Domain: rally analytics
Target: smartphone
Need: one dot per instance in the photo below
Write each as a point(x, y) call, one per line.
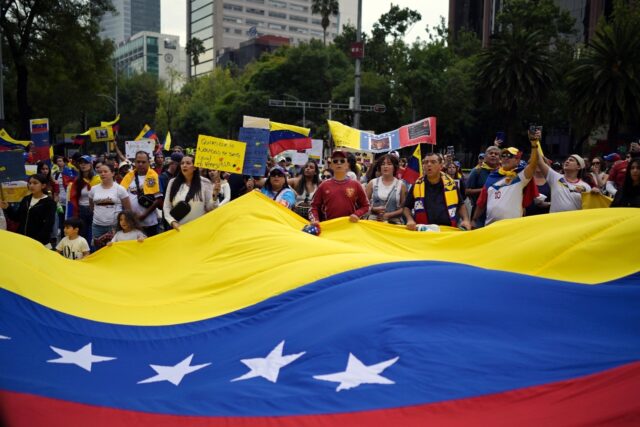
point(500, 135)
point(535, 128)
point(450, 150)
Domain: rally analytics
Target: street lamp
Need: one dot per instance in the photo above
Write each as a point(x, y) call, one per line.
point(298, 104)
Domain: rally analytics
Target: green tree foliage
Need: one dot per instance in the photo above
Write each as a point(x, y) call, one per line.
point(138, 100)
point(605, 84)
point(326, 9)
point(55, 57)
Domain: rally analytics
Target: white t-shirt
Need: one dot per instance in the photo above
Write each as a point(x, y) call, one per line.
point(84, 196)
point(121, 236)
point(62, 192)
point(152, 218)
point(564, 196)
point(73, 249)
point(107, 203)
point(504, 198)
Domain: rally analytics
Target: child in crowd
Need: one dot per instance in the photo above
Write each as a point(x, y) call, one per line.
point(73, 246)
point(128, 228)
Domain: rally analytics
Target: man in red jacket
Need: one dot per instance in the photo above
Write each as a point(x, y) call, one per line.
point(339, 196)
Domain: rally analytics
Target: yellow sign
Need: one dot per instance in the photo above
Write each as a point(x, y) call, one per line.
point(14, 191)
point(101, 134)
point(220, 154)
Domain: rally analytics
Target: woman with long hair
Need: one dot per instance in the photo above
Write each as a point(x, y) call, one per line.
point(629, 195)
point(35, 213)
point(596, 176)
point(106, 200)
point(189, 195)
point(386, 193)
point(78, 195)
point(305, 186)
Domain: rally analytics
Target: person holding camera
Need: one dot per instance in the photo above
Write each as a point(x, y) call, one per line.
point(143, 185)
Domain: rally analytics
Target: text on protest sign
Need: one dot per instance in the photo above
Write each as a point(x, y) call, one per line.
point(255, 157)
point(220, 154)
point(132, 147)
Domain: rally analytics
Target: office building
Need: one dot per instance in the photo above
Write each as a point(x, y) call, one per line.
point(130, 17)
point(154, 53)
point(222, 24)
point(479, 16)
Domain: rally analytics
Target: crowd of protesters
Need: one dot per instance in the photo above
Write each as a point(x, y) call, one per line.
point(82, 204)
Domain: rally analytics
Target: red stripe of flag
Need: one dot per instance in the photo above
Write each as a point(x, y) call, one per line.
point(607, 398)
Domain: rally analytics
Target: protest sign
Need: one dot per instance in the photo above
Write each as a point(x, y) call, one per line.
point(40, 136)
point(220, 154)
point(12, 165)
point(14, 191)
point(132, 147)
point(101, 134)
point(315, 152)
point(299, 159)
point(255, 157)
point(31, 169)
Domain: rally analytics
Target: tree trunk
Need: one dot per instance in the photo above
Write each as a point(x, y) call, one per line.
point(24, 110)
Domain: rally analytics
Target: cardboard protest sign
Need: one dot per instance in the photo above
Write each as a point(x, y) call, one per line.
point(220, 154)
point(132, 147)
point(255, 157)
point(300, 159)
point(12, 165)
point(315, 152)
point(14, 191)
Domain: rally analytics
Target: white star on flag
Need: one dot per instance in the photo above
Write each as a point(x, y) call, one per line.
point(173, 374)
point(83, 357)
point(268, 367)
point(3, 337)
point(358, 373)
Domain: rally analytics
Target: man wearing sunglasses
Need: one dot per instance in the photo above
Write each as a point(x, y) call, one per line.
point(338, 196)
point(506, 191)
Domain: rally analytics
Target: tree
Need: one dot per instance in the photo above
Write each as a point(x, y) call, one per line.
point(517, 74)
point(138, 102)
point(31, 29)
point(195, 48)
point(604, 81)
point(326, 9)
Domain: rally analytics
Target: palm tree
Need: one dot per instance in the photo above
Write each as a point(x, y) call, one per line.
point(517, 74)
point(194, 49)
point(325, 8)
point(604, 83)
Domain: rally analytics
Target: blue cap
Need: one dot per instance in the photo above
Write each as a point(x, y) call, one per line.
point(86, 158)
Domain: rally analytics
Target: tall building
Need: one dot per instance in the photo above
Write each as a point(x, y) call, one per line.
point(222, 24)
point(479, 16)
point(131, 17)
point(154, 53)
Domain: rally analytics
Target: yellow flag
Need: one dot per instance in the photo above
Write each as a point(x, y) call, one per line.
point(143, 132)
point(344, 136)
point(167, 142)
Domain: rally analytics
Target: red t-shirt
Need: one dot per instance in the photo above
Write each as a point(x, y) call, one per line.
point(334, 199)
point(617, 173)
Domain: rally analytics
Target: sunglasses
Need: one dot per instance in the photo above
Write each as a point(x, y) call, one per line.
point(595, 163)
point(276, 175)
point(326, 176)
point(506, 156)
point(336, 161)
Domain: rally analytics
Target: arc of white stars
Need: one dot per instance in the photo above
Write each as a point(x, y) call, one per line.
point(4, 337)
point(83, 357)
point(268, 367)
point(173, 374)
point(358, 373)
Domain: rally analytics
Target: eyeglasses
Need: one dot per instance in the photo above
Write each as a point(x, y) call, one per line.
point(595, 163)
point(336, 161)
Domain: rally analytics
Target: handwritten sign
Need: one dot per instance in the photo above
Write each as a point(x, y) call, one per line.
point(12, 165)
point(255, 157)
point(220, 154)
point(132, 147)
point(300, 159)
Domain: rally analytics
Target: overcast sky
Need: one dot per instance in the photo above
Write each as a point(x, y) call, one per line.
point(174, 14)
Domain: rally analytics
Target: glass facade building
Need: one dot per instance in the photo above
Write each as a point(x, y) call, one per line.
point(131, 17)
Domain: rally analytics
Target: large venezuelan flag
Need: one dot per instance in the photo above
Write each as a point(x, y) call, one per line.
point(527, 322)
